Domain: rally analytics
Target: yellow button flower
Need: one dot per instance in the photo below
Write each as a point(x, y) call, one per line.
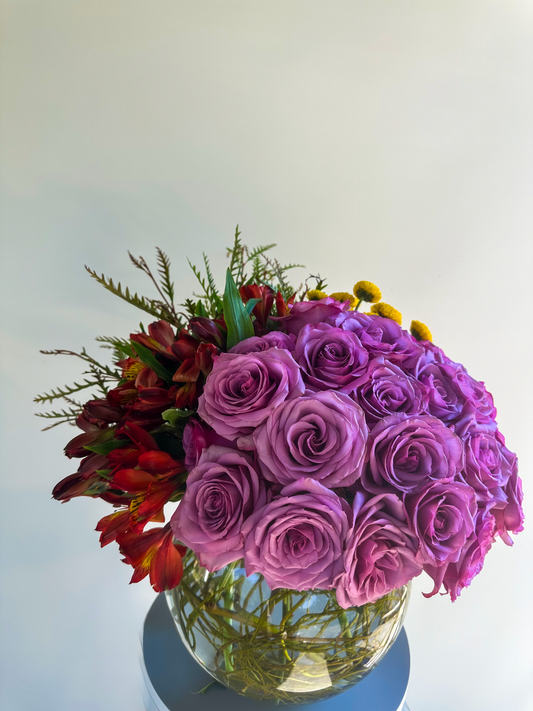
point(315, 295)
point(387, 311)
point(344, 296)
point(366, 291)
point(420, 331)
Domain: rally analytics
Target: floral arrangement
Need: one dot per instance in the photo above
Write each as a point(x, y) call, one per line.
point(327, 447)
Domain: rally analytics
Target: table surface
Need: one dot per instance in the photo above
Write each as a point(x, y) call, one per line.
point(172, 676)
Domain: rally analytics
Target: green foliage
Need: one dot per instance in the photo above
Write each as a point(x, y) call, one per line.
point(175, 416)
point(237, 319)
point(99, 376)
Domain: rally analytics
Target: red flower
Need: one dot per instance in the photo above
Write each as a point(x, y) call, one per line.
point(154, 553)
point(262, 310)
point(159, 337)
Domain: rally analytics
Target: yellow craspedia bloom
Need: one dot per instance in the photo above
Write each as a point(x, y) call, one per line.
point(420, 331)
point(344, 296)
point(387, 311)
point(315, 295)
point(366, 291)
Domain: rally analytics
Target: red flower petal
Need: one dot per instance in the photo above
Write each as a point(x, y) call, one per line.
point(166, 568)
point(157, 462)
point(133, 480)
point(139, 436)
point(112, 526)
point(188, 372)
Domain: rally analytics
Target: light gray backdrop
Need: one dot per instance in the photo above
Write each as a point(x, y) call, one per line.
point(387, 140)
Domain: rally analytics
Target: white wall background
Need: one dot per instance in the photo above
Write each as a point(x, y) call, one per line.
point(378, 139)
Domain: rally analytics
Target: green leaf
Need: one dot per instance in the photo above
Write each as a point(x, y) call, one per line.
point(239, 323)
point(200, 310)
point(174, 416)
point(149, 359)
point(105, 447)
point(249, 305)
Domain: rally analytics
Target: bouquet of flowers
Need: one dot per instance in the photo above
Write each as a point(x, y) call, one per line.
point(328, 448)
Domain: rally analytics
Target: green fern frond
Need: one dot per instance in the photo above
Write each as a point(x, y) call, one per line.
point(163, 268)
point(118, 345)
point(62, 417)
point(151, 306)
point(57, 393)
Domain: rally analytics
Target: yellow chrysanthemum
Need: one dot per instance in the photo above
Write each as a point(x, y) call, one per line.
point(315, 295)
point(344, 296)
point(387, 311)
point(366, 291)
point(420, 331)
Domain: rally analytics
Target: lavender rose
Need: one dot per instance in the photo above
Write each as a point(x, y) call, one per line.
point(509, 514)
point(451, 389)
point(381, 336)
point(386, 389)
point(322, 436)
point(256, 344)
point(296, 540)
point(303, 313)
point(222, 492)
point(408, 453)
point(488, 462)
point(442, 515)
point(242, 390)
point(458, 575)
point(330, 358)
point(380, 552)
point(198, 436)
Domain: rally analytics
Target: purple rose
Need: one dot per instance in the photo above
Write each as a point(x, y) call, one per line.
point(242, 390)
point(222, 492)
point(509, 515)
point(198, 436)
point(442, 515)
point(256, 344)
point(381, 336)
point(458, 575)
point(488, 462)
point(380, 552)
point(303, 313)
point(321, 436)
point(330, 358)
point(451, 389)
point(408, 453)
point(385, 389)
point(296, 540)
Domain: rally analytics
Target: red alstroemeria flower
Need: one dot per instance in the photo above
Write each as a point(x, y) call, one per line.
point(153, 553)
point(159, 337)
point(262, 310)
point(282, 306)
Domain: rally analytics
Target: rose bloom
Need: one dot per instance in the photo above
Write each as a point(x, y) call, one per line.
point(509, 514)
point(198, 436)
point(381, 336)
point(222, 492)
point(408, 453)
point(256, 344)
point(451, 389)
point(442, 515)
point(380, 552)
point(488, 462)
point(459, 574)
point(303, 313)
point(385, 389)
point(242, 390)
point(330, 358)
point(321, 436)
point(296, 540)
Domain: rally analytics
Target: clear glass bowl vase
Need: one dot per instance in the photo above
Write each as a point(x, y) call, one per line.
point(295, 647)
